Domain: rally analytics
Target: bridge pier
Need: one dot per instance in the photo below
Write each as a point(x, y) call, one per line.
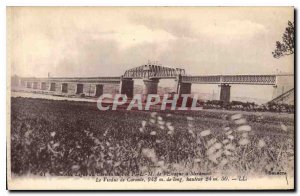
point(79, 89)
point(23, 83)
point(64, 87)
point(225, 93)
point(150, 87)
point(43, 85)
point(126, 87)
point(98, 90)
point(28, 84)
point(52, 87)
point(35, 85)
point(184, 88)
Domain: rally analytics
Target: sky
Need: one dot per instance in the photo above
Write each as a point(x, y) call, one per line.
point(105, 41)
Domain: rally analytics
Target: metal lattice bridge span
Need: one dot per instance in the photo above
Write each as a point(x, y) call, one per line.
point(151, 75)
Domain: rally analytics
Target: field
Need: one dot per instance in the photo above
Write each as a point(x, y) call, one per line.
point(64, 137)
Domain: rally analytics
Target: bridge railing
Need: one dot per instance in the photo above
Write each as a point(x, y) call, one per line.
point(153, 71)
point(231, 79)
point(75, 79)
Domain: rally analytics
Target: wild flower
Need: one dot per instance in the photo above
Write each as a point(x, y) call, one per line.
point(244, 141)
point(144, 123)
point(153, 114)
point(170, 127)
point(52, 134)
point(240, 121)
point(236, 116)
point(152, 121)
point(244, 128)
point(245, 135)
point(217, 145)
point(153, 133)
point(141, 129)
point(211, 141)
point(205, 133)
point(149, 153)
point(189, 118)
point(283, 127)
point(162, 127)
point(75, 167)
point(161, 122)
point(226, 129)
point(170, 132)
point(261, 143)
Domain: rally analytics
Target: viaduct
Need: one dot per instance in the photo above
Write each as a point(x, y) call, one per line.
point(151, 75)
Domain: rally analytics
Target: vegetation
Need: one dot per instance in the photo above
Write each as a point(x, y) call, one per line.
point(287, 46)
point(64, 137)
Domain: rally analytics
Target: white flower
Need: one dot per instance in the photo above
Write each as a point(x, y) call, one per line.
point(141, 129)
point(261, 143)
point(243, 142)
point(171, 128)
point(212, 141)
point(75, 167)
point(230, 147)
point(144, 123)
point(211, 150)
point(152, 121)
point(153, 133)
point(224, 161)
point(160, 163)
point(197, 160)
point(117, 164)
point(226, 128)
point(240, 121)
point(225, 141)
point(161, 122)
point(153, 114)
point(189, 118)
point(149, 153)
point(229, 132)
point(244, 128)
point(97, 141)
point(236, 116)
point(245, 135)
point(226, 152)
point(205, 133)
point(217, 145)
point(52, 133)
point(283, 127)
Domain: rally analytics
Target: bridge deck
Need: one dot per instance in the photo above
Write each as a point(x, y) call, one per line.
point(98, 80)
point(231, 79)
point(204, 79)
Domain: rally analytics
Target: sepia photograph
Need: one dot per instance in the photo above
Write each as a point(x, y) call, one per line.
point(150, 98)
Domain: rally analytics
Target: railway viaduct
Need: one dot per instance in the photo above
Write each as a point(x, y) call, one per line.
point(151, 75)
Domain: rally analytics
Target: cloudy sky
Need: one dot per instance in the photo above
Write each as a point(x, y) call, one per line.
point(93, 41)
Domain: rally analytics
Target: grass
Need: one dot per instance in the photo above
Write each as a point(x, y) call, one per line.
point(63, 137)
